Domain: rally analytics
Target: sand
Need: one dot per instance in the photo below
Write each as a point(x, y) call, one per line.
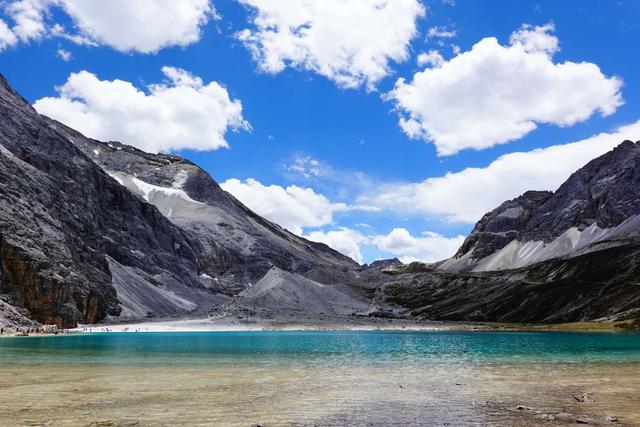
point(284, 323)
point(110, 395)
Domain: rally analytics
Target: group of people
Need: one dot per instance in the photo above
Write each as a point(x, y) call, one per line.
point(39, 330)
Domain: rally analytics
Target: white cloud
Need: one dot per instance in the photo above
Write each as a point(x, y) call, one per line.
point(428, 248)
point(536, 39)
point(494, 94)
point(293, 207)
point(306, 166)
point(7, 38)
point(65, 55)
point(28, 16)
point(467, 195)
point(350, 42)
point(439, 32)
point(431, 58)
point(183, 113)
point(343, 240)
point(144, 26)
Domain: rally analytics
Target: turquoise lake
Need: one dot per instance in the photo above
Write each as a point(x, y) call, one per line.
point(322, 347)
point(320, 379)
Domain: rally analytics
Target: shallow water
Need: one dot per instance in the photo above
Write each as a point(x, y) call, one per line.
point(318, 378)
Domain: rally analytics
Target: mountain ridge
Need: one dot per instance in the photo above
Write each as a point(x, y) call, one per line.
point(584, 211)
point(72, 235)
point(96, 231)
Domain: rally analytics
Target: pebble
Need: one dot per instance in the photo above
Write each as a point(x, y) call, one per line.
point(611, 419)
point(564, 416)
point(584, 420)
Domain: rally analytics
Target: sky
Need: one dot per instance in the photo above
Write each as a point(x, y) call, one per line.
point(384, 128)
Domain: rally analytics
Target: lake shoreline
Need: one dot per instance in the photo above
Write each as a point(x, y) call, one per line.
point(240, 324)
point(333, 379)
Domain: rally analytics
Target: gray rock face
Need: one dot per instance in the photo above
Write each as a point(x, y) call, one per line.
point(598, 285)
point(234, 246)
point(383, 264)
point(502, 225)
point(61, 215)
point(601, 195)
point(289, 293)
point(90, 230)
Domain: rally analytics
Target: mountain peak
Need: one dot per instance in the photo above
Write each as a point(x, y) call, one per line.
point(602, 195)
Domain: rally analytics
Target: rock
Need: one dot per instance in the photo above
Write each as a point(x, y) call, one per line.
point(602, 194)
point(564, 416)
point(93, 229)
point(384, 264)
point(611, 419)
point(547, 417)
point(584, 420)
point(582, 398)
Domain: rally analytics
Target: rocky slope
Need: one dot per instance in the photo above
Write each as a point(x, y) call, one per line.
point(65, 224)
point(602, 284)
point(90, 230)
point(94, 230)
point(597, 207)
point(234, 246)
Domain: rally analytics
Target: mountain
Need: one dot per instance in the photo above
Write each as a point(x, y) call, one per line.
point(598, 285)
point(563, 256)
point(96, 231)
point(92, 230)
point(597, 207)
point(235, 247)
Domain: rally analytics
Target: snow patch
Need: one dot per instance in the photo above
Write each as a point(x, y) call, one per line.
point(572, 242)
point(149, 190)
point(180, 179)
point(116, 177)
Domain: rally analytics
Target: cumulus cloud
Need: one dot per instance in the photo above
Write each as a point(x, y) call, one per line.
point(28, 16)
point(493, 94)
point(535, 39)
point(350, 42)
point(7, 38)
point(181, 113)
point(343, 240)
point(431, 58)
point(144, 26)
point(293, 207)
point(429, 247)
point(467, 195)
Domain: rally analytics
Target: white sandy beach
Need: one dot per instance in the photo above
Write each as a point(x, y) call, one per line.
point(234, 324)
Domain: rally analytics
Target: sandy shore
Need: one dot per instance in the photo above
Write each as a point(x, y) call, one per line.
point(230, 324)
point(284, 323)
point(522, 395)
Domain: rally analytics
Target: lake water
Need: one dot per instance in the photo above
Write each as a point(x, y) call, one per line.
point(319, 378)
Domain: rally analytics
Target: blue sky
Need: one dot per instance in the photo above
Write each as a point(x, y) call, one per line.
point(331, 152)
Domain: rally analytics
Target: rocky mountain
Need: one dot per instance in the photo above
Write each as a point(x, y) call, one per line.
point(596, 208)
point(91, 230)
point(235, 247)
point(603, 285)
